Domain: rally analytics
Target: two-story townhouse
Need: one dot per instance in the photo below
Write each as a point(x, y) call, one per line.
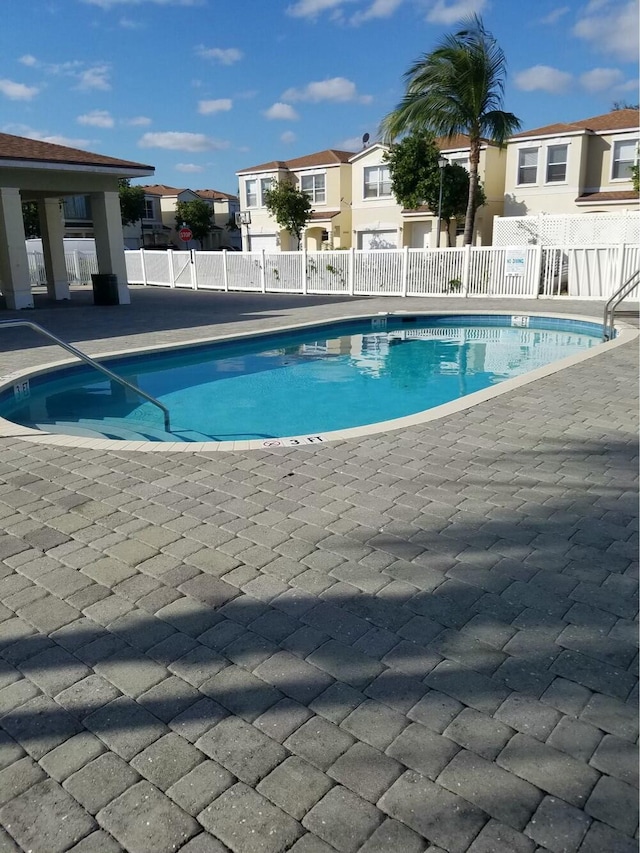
point(225, 207)
point(325, 176)
point(379, 222)
point(577, 167)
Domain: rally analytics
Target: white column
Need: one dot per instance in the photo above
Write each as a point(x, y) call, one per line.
point(14, 264)
point(107, 225)
point(55, 266)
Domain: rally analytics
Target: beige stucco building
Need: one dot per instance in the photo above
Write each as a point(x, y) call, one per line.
point(31, 170)
point(158, 226)
point(578, 167)
point(378, 221)
point(325, 176)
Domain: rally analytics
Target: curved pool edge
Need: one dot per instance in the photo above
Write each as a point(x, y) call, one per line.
point(8, 429)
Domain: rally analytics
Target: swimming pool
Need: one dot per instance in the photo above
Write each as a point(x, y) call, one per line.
point(308, 382)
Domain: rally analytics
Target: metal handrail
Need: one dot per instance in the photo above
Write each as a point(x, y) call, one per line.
point(612, 303)
point(90, 361)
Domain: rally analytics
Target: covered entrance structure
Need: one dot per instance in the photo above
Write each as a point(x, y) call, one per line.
point(31, 170)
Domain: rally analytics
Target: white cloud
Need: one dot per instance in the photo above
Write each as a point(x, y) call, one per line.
point(600, 79)
point(189, 168)
point(288, 137)
point(313, 8)
point(378, 9)
point(280, 111)
point(206, 108)
point(337, 89)
point(130, 24)
point(54, 139)
point(110, 4)
point(611, 27)
point(97, 118)
point(137, 121)
point(17, 91)
point(451, 11)
point(554, 16)
point(543, 78)
point(95, 78)
point(225, 56)
point(352, 143)
point(28, 60)
point(176, 141)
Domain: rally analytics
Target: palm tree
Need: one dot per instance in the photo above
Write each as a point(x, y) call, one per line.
point(458, 88)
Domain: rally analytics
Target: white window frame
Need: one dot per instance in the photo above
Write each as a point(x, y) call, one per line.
point(521, 151)
point(616, 161)
point(265, 184)
point(459, 160)
point(564, 163)
point(149, 208)
point(249, 195)
point(317, 195)
point(378, 184)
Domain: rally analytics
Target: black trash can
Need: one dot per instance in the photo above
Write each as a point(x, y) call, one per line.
point(105, 289)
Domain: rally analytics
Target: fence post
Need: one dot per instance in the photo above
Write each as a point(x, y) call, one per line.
point(304, 270)
point(143, 267)
point(76, 268)
point(263, 271)
point(405, 270)
point(352, 256)
point(621, 259)
point(172, 278)
point(466, 270)
point(194, 274)
point(537, 270)
point(225, 270)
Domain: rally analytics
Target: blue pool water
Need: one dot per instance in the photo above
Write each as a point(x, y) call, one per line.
point(298, 383)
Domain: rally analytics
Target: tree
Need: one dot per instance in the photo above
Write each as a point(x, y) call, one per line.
point(289, 206)
point(415, 178)
point(31, 219)
point(197, 215)
point(623, 105)
point(458, 88)
point(131, 202)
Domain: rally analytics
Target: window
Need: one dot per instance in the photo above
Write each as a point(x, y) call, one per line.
point(265, 184)
point(557, 163)
point(528, 166)
point(314, 187)
point(76, 207)
point(377, 181)
point(625, 155)
point(460, 161)
point(251, 189)
point(149, 209)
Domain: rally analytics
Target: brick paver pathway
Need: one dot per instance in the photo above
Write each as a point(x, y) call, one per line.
point(418, 640)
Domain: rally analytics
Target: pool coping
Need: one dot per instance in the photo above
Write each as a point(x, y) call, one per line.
point(625, 334)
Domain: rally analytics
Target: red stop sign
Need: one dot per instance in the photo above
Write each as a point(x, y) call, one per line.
point(185, 234)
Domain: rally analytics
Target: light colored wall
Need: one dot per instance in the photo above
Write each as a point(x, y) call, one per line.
point(589, 166)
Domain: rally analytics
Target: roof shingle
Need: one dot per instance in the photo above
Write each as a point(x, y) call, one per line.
point(329, 157)
point(22, 148)
point(627, 119)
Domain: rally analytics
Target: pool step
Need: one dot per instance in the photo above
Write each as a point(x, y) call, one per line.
point(119, 430)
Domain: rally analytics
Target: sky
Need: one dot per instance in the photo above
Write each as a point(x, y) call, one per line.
point(201, 89)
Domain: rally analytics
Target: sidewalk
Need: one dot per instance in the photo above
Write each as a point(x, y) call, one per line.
point(421, 640)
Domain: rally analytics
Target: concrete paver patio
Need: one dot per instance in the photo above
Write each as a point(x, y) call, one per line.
point(419, 640)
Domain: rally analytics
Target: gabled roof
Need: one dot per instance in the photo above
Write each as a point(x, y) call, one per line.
point(162, 189)
point(217, 195)
point(626, 119)
point(20, 148)
point(329, 157)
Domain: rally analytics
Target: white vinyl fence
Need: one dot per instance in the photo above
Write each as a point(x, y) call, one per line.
point(80, 266)
point(568, 229)
point(581, 272)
